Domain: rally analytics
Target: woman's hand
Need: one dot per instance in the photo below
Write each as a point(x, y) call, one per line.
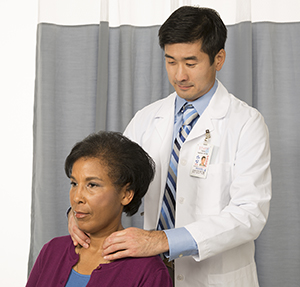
point(134, 242)
point(77, 235)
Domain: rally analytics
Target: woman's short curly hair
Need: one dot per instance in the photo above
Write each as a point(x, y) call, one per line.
point(127, 163)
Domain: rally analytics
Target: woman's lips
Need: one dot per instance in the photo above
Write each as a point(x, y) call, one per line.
point(79, 214)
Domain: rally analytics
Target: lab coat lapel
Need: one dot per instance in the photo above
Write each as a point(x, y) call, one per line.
point(164, 121)
point(216, 109)
point(164, 127)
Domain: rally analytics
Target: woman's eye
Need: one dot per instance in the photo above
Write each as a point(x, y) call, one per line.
point(73, 184)
point(91, 185)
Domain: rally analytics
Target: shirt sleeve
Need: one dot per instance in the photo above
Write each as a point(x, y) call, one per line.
point(181, 243)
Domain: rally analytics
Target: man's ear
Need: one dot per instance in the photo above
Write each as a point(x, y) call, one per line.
point(127, 195)
point(220, 59)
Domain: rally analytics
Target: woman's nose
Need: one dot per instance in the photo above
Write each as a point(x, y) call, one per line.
point(78, 196)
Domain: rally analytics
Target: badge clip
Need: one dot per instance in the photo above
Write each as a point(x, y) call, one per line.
point(207, 137)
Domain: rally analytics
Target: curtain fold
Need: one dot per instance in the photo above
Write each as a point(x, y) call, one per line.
point(276, 69)
point(102, 76)
point(93, 73)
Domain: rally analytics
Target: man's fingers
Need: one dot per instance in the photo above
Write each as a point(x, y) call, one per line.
point(75, 242)
point(113, 243)
point(77, 235)
point(116, 237)
point(114, 248)
point(134, 242)
point(118, 255)
point(80, 237)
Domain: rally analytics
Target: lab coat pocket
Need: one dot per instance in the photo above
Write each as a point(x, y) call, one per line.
point(243, 277)
point(213, 191)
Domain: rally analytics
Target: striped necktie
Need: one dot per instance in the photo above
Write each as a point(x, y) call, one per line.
point(167, 215)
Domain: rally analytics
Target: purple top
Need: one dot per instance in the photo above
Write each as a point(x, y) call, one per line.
point(57, 257)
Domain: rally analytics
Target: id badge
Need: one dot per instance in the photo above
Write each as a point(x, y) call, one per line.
point(202, 158)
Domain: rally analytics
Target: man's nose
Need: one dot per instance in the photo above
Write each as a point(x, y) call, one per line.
point(181, 74)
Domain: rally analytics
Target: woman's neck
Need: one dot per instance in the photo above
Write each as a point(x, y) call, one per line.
point(90, 258)
point(97, 239)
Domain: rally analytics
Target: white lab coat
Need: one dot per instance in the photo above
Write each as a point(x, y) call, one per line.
point(225, 212)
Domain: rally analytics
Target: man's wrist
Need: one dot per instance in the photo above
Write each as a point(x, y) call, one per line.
point(161, 241)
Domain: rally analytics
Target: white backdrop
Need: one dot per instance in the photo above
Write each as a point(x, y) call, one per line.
point(18, 20)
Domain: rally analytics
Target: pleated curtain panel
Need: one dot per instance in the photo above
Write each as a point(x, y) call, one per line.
point(98, 62)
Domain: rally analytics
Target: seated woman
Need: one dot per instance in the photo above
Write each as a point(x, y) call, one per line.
point(109, 174)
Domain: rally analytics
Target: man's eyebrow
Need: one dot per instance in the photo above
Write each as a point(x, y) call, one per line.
point(168, 56)
point(191, 58)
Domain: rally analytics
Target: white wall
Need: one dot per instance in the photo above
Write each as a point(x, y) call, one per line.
point(18, 22)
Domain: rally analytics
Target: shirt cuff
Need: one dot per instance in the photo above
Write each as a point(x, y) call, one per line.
point(181, 243)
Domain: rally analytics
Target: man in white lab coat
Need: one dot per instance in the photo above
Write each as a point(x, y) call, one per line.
point(221, 207)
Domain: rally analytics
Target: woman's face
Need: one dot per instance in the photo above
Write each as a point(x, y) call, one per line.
point(96, 203)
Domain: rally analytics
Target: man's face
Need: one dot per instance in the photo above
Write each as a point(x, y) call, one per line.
point(189, 69)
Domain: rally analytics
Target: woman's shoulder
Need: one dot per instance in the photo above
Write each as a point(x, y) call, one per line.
point(145, 271)
point(60, 242)
point(59, 248)
point(146, 263)
point(61, 239)
point(152, 259)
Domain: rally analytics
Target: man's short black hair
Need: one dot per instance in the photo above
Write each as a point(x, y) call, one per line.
point(191, 24)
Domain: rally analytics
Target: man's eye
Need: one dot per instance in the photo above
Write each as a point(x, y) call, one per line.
point(190, 65)
point(73, 184)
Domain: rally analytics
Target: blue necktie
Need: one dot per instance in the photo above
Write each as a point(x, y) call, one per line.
point(167, 215)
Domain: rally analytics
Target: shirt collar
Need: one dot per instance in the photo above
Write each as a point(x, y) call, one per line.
point(200, 104)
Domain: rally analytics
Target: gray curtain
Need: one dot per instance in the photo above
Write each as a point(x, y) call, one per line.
point(95, 77)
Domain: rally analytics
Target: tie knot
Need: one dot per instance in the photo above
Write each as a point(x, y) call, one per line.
point(189, 114)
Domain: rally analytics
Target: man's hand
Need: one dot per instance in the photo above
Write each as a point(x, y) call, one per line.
point(134, 242)
point(77, 235)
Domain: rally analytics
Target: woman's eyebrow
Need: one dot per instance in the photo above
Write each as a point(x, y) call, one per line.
point(88, 178)
point(93, 178)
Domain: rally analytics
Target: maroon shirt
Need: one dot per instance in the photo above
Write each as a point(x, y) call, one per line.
point(57, 257)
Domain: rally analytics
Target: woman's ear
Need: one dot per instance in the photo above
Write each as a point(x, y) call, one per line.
point(127, 195)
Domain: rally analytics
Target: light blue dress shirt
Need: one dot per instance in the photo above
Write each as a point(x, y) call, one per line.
point(181, 242)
